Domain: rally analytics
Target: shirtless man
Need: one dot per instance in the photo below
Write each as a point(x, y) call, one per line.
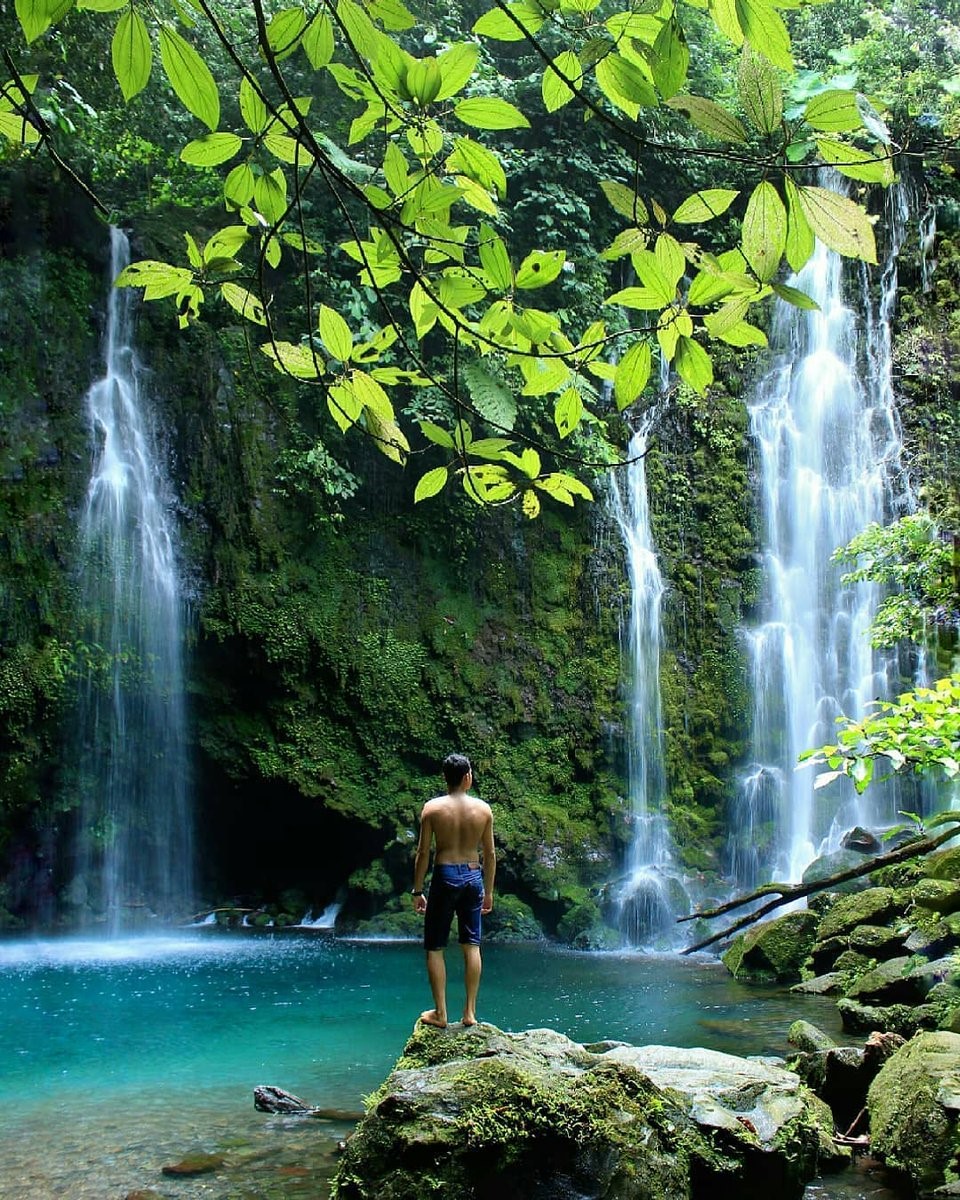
point(461, 825)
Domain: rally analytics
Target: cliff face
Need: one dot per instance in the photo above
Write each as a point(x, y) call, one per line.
point(343, 641)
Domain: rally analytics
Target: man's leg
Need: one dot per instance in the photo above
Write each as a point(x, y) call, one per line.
point(471, 980)
point(437, 974)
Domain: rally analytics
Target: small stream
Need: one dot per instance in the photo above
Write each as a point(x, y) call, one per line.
point(120, 1057)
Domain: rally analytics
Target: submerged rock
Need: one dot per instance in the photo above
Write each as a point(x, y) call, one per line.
point(914, 1104)
point(487, 1115)
point(195, 1164)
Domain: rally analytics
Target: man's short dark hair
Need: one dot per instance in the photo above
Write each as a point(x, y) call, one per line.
point(455, 768)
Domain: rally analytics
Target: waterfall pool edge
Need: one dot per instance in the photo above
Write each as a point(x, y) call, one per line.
point(123, 1056)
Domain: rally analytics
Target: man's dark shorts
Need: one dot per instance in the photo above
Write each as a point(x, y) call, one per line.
point(455, 888)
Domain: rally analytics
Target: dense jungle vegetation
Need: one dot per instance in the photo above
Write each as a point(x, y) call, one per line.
point(415, 273)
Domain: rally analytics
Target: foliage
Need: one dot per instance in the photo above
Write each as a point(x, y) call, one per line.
point(921, 563)
point(919, 731)
point(418, 189)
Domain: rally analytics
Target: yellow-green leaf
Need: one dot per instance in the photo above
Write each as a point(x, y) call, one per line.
point(252, 107)
point(496, 24)
point(693, 364)
point(556, 92)
point(284, 31)
point(760, 91)
point(539, 268)
point(238, 185)
point(671, 58)
point(490, 112)
point(568, 411)
point(868, 166)
point(335, 333)
point(18, 129)
point(633, 374)
point(318, 41)
point(270, 195)
point(839, 222)
point(625, 201)
point(211, 150)
point(833, 111)
point(765, 31)
point(456, 64)
point(244, 302)
point(624, 85)
point(652, 276)
point(495, 260)
point(704, 206)
point(131, 53)
point(764, 230)
point(430, 483)
point(344, 405)
point(710, 118)
point(800, 240)
point(190, 77)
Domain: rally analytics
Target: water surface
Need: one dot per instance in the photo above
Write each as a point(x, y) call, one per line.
point(120, 1057)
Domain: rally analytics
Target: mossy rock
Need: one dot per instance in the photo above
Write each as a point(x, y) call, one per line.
point(913, 1105)
point(941, 896)
point(905, 1019)
point(878, 941)
point(775, 951)
point(488, 1115)
point(871, 907)
point(511, 921)
point(890, 982)
point(944, 864)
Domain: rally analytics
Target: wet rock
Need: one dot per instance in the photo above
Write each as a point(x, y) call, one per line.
point(891, 982)
point(195, 1164)
point(831, 864)
point(830, 984)
point(861, 841)
point(913, 1110)
point(944, 864)
point(937, 895)
point(871, 907)
point(878, 941)
point(488, 1115)
point(935, 940)
point(773, 951)
point(806, 1036)
point(840, 1077)
point(143, 1194)
point(904, 1019)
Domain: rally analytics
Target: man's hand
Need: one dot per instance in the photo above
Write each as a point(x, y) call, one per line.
point(420, 903)
point(487, 905)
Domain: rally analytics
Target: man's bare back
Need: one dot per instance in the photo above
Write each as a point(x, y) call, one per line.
point(458, 822)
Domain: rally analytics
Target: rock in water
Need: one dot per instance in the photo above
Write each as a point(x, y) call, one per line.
point(485, 1115)
point(194, 1164)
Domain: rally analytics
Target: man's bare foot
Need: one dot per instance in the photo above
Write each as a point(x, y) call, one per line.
point(469, 1019)
point(430, 1016)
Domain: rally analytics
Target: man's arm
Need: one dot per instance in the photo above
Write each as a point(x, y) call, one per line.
point(489, 865)
point(422, 860)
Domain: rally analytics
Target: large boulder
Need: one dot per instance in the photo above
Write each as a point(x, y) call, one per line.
point(914, 1104)
point(775, 951)
point(487, 1115)
point(871, 907)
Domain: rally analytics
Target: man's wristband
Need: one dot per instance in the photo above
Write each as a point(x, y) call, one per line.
point(415, 892)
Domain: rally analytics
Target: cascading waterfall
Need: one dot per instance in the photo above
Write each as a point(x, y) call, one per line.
point(644, 897)
point(134, 841)
point(828, 441)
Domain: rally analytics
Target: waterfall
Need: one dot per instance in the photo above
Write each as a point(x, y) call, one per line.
point(134, 837)
point(825, 427)
point(644, 898)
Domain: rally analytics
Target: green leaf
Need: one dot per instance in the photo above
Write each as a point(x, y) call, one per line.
point(743, 334)
point(288, 149)
point(673, 262)
point(498, 25)
point(834, 111)
point(556, 93)
point(270, 195)
point(539, 268)
point(671, 58)
point(495, 260)
point(226, 242)
point(652, 276)
point(244, 302)
point(494, 401)
point(543, 376)
point(710, 118)
point(344, 405)
point(625, 201)
point(190, 77)
point(633, 374)
point(490, 112)
point(624, 85)
point(211, 150)
point(252, 108)
point(335, 333)
point(423, 310)
point(800, 240)
point(478, 163)
point(868, 166)
point(627, 241)
point(238, 185)
point(393, 14)
point(704, 206)
point(724, 14)
point(34, 17)
point(795, 297)
point(764, 230)
point(299, 361)
point(131, 53)
point(765, 31)
point(317, 41)
point(760, 92)
point(635, 297)
point(840, 223)
point(158, 279)
point(102, 5)
point(430, 484)
point(435, 434)
point(568, 411)
point(693, 364)
point(457, 65)
point(18, 129)
point(284, 31)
